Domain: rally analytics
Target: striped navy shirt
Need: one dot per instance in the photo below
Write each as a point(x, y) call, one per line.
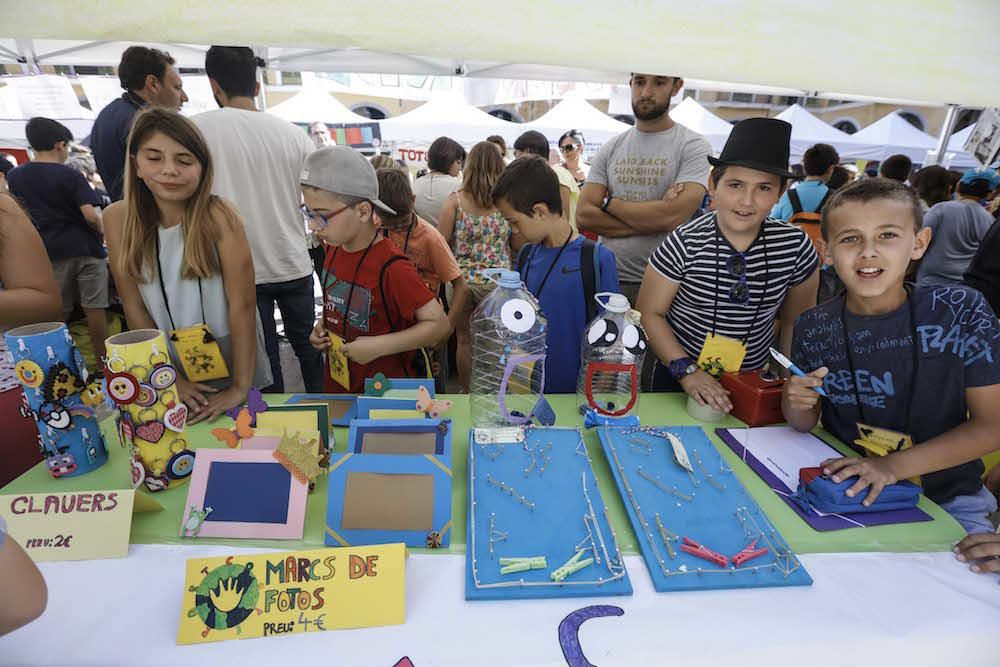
point(695, 256)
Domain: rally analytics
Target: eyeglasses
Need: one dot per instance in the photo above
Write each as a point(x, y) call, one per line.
point(318, 218)
point(567, 148)
point(736, 265)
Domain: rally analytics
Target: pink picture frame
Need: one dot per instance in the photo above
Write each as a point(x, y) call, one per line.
point(292, 529)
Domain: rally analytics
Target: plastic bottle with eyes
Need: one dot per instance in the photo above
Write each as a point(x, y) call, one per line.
point(611, 359)
point(508, 354)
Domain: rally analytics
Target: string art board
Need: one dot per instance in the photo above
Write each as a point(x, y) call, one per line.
point(250, 495)
point(707, 504)
point(537, 525)
point(341, 408)
point(392, 485)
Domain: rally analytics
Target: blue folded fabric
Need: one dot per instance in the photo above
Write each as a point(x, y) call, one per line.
point(823, 494)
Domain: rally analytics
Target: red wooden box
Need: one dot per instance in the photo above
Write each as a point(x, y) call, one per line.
point(756, 397)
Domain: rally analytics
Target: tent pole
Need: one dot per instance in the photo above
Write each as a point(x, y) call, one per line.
point(946, 127)
point(261, 52)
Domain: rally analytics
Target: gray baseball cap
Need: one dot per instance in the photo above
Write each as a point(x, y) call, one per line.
point(343, 171)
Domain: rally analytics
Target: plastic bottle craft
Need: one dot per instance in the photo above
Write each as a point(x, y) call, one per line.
point(611, 359)
point(54, 377)
point(508, 356)
point(141, 381)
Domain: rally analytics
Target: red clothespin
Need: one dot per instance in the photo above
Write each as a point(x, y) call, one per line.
point(703, 552)
point(749, 552)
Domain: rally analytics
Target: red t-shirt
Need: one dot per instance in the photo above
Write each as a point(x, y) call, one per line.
point(405, 293)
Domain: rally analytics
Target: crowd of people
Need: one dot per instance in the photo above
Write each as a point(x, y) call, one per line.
point(883, 288)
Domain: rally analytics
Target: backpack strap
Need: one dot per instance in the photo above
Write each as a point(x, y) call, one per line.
point(590, 272)
point(793, 199)
point(826, 198)
point(522, 256)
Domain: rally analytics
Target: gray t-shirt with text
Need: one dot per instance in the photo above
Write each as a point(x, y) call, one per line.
point(640, 166)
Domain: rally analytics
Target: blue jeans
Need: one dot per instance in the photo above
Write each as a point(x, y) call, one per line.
point(298, 313)
point(973, 511)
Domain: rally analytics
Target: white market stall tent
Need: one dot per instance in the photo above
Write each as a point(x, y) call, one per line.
point(694, 116)
point(48, 95)
point(896, 135)
point(446, 116)
point(808, 130)
point(314, 103)
point(576, 113)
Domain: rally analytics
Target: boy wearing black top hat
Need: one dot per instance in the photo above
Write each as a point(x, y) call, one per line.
point(715, 287)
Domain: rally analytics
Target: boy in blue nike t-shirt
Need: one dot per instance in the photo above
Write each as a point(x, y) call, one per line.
point(552, 263)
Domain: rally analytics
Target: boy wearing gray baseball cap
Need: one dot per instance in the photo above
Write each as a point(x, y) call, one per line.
point(377, 312)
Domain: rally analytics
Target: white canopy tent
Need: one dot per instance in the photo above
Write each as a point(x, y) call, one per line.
point(870, 38)
point(315, 103)
point(49, 95)
point(446, 116)
point(576, 113)
point(895, 135)
point(695, 117)
point(808, 130)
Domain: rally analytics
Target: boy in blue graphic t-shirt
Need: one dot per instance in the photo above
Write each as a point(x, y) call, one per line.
point(915, 361)
point(555, 265)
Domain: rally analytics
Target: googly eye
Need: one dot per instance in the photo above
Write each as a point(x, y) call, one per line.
point(602, 333)
point(634, 339)
point(517, 315)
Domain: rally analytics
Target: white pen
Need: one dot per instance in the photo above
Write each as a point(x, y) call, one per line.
point(787, 363)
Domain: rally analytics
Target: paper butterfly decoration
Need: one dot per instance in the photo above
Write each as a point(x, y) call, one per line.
point(241, 432)
point(429, 406)
point(255, 405)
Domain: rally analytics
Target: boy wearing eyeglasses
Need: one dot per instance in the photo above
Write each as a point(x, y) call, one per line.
point(376, 310)
point(714, 288)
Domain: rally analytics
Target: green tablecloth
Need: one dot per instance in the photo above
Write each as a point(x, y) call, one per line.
point(162, 527)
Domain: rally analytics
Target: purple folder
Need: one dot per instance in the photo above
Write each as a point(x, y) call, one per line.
point(829, 521)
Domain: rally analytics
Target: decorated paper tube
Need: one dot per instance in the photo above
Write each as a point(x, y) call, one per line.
point(54, 376)
point(142, 382)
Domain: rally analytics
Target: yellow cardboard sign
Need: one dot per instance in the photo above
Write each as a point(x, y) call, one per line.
point(339, 370)
point(199, 353)
point(263, 595)
point(721, 353)
point(73, 525)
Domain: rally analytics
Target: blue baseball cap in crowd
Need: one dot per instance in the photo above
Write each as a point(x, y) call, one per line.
point(985, 174)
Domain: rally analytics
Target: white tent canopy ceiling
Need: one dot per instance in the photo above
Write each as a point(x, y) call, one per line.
point(894, 134)
point(314, 103)
point(446, 116)
point(890, 48)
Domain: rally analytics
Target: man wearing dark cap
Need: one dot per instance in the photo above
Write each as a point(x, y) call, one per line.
point(714, 288)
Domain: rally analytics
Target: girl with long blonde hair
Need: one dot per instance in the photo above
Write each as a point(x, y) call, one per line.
point(181, 259)
point(479, 236)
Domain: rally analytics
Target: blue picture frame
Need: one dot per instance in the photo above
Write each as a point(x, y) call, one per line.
point(436, 465)
point(368, 403)
point(442, 428)
point(405, 384)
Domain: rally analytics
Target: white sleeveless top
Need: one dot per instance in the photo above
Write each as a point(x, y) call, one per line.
point(187, 303)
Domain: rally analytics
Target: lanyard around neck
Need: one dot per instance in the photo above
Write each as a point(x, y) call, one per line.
point(163, 289)
point(746, 268)
point(914, 361)
point(354, 281)
point(551, 266)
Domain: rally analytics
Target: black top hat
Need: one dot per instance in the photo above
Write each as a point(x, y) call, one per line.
point(758, 143)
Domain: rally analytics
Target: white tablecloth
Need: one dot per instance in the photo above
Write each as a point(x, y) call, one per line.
point(863, 609)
